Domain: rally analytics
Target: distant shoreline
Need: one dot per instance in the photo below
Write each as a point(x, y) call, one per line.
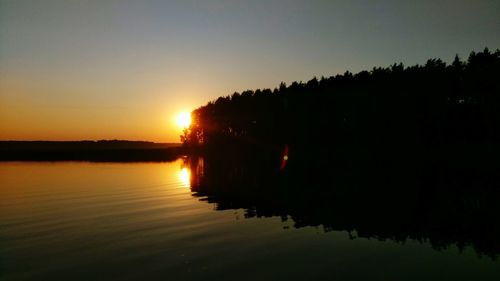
point(96, 151)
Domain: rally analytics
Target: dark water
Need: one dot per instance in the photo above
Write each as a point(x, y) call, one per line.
point(194, 219)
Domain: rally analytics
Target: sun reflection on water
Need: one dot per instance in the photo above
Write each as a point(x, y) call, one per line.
point(185, 177)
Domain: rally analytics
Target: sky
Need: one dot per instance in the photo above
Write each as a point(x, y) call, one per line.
point(123, 69)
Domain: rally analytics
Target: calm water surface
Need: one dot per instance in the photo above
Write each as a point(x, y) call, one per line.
point(141, 221)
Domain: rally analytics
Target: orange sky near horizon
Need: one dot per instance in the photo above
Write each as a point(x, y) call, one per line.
point(80, 117)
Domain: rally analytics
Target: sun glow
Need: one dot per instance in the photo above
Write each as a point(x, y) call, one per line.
point(184, 119)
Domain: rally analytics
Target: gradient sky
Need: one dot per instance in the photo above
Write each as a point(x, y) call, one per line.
point(123, 69)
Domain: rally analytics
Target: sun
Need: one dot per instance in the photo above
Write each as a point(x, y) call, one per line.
point(184, 119)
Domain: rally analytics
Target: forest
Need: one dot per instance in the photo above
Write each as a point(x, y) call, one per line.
point(393, 153)
point(389, 110)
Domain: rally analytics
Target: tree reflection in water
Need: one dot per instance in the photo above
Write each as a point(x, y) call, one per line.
point(426, 202)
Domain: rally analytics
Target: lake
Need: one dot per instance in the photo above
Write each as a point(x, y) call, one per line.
point(169, 221)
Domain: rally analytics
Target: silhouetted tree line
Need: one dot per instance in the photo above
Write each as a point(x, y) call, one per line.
point(99, 151)
point(417, 107)
point(393, 153)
